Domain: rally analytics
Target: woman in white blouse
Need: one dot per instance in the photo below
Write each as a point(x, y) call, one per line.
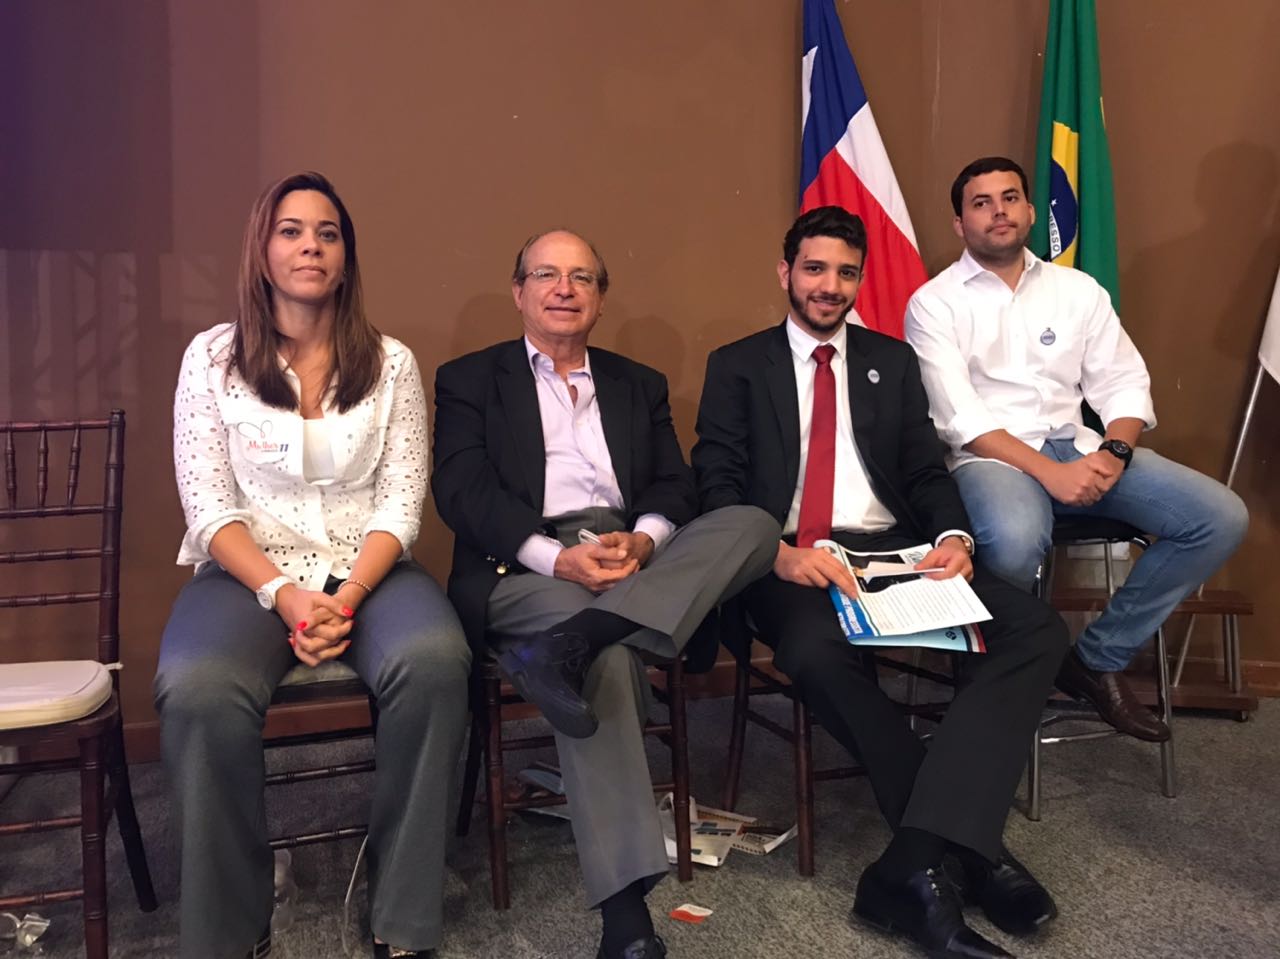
point(300, 447)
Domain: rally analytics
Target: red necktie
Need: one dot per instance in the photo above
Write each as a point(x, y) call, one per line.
point(820, 466)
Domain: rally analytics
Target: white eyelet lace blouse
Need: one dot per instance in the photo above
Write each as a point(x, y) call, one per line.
point(237, 459)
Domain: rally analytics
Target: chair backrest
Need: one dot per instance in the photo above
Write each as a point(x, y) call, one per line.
point(22, 507)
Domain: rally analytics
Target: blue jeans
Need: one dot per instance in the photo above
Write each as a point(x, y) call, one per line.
point(1198, 522)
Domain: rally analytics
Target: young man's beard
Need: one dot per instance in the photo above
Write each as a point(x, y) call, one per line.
point(802, 315)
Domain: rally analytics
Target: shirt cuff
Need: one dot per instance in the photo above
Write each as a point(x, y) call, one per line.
point(405, 533)
point(656, 526)
point(1136, 404)
point(964, 534)
point(538, 554)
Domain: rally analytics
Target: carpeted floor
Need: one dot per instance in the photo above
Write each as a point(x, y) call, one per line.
point(1135, 875)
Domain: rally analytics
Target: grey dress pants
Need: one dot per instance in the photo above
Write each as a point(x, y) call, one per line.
point(221, 659)
point(607, 783)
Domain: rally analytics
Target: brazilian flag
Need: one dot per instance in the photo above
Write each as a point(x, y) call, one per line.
point(1075, 205)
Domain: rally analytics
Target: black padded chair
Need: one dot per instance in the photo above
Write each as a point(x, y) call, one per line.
point(1089, 531)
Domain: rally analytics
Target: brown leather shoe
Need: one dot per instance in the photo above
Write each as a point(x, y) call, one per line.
point(1113, 698)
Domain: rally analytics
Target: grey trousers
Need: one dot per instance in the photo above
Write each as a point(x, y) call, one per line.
point(221, 658)
point(606, 777)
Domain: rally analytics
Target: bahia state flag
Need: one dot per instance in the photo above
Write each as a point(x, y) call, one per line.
point(843, 163)
point(1075, 204)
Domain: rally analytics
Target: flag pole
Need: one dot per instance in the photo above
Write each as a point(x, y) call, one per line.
point(1231, 478)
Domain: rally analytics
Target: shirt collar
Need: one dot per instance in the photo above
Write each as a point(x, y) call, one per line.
point(803, 343)
point(967, 267)
point(533, 353)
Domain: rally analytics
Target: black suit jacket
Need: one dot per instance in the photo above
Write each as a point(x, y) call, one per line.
point(490, 462)
point(748, 448)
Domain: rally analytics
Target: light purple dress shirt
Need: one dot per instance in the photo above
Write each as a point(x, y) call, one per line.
point(579, 471)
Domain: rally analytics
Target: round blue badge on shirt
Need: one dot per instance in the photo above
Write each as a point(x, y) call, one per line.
point(1048, 337)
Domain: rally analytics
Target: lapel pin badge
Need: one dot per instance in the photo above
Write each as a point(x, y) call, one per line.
point(1048, 337)
point(873, 376)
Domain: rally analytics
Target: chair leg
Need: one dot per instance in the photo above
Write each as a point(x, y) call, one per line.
point(1231, 628)
point(494, 795)
point(471, 771)
point(1033, 778)
point(913, 681)
point(737, 735)
point(680, 769)
point(1232, 666)
point(803, 737)
point(127, 822)
point(1045, 586)
point(92, 848)
point(1168, 769)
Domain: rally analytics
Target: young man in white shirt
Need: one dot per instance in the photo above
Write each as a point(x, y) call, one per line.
point(1009, 347)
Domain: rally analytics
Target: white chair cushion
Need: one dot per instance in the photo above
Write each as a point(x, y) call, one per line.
point(40, 694)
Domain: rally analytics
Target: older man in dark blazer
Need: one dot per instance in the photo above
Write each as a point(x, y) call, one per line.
point(825, 425)
point(542, 442)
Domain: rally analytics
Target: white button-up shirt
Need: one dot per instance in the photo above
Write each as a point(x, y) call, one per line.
point(579, 471)
point(239, 460)
point(1021, 360)
point(855, 505)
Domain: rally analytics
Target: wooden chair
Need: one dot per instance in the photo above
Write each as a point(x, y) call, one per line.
point(92, 744)
point(751, 680)
point(325, 685)
point(490, 693)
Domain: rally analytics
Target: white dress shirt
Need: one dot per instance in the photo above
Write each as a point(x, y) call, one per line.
point(855, 505)
point(1021, 360)
point(239, 460)
point(579, 471)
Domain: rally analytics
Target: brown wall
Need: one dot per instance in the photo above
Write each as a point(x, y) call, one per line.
point(133, 136)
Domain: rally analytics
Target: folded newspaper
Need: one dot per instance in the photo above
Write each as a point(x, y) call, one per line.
point(898, 605)
point(714, 833)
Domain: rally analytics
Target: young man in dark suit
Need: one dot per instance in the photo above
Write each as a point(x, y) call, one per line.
point(825, 425)
point(536, 441)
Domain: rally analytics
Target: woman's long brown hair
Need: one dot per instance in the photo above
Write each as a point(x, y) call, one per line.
point(357, 346)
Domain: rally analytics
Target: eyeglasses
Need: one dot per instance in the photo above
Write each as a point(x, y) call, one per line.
point(545, 275)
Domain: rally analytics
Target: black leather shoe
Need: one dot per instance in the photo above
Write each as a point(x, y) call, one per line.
point(927, 909)
point(546, 669)
point(1009, 895)
point(1113, 698)
point(650, 947)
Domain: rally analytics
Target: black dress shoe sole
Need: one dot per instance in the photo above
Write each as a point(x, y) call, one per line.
point(886, 927)
point(574, 723)
point(880, 923)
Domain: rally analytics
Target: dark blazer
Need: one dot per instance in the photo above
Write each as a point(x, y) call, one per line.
point(490, 462)
point(748, 448)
